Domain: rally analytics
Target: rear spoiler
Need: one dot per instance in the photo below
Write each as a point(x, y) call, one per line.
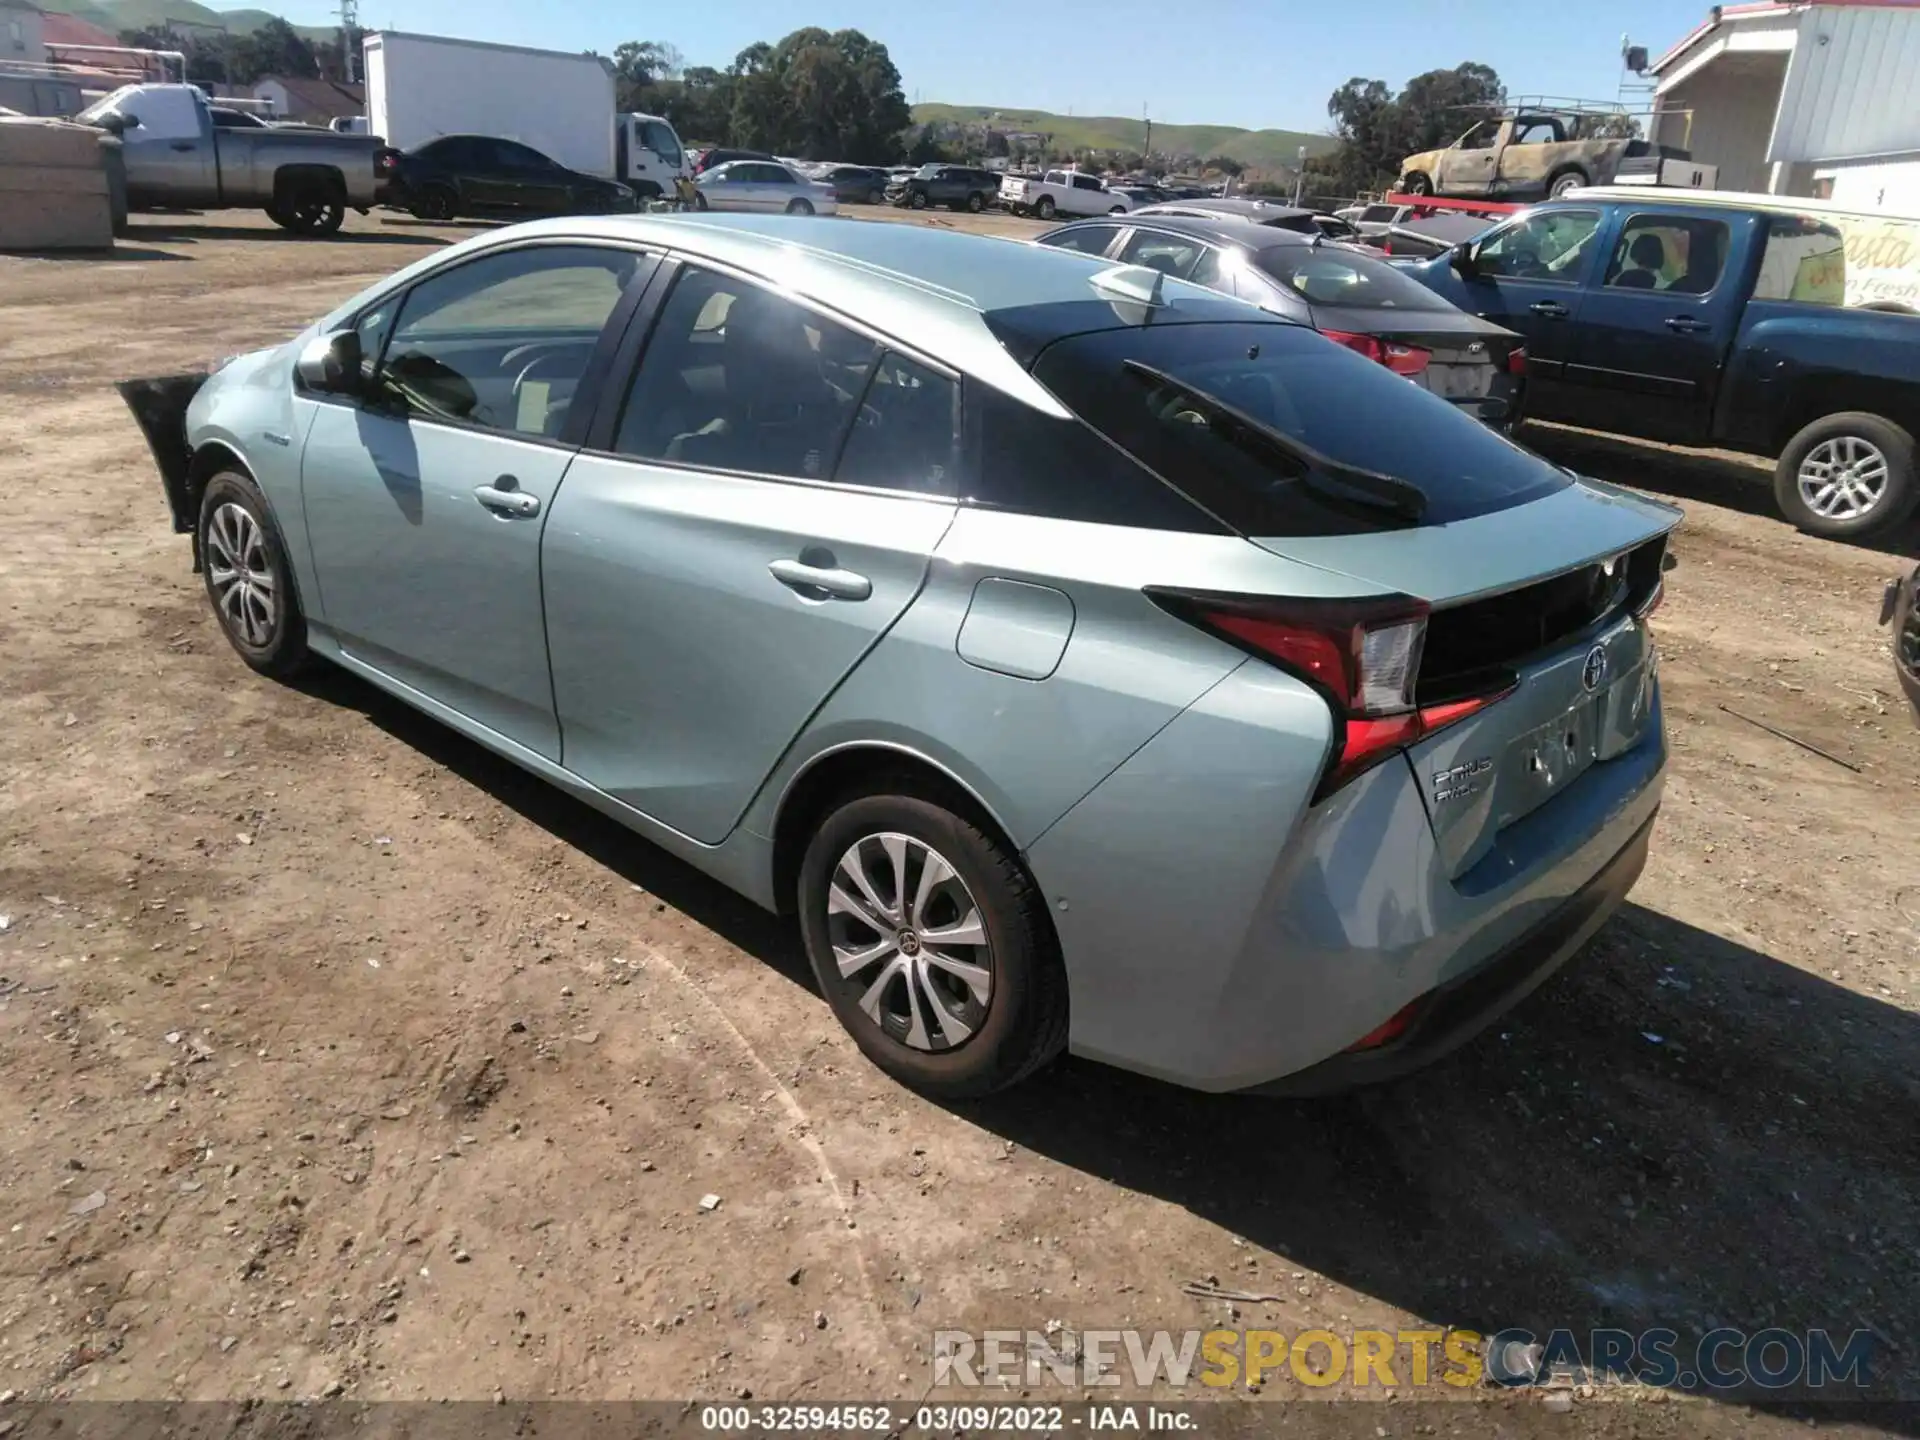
point(159, 404)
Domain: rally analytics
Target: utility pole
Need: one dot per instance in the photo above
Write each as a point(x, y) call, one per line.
point(1146, 151)
point(1300, 176)
point(349, 42)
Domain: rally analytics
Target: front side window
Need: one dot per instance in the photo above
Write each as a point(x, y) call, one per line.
point(659, 138)
point(1669, 252)
point(504, 340)
point(1550, 246)
point(1086, 239)
point(1481, 137)
point(1085, 182)
point(737, 378)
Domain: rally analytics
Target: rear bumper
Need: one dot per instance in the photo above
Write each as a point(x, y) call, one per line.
point(1220, 933)
point(1452, 1015)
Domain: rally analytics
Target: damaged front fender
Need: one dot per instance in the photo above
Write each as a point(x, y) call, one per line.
point(159, 404)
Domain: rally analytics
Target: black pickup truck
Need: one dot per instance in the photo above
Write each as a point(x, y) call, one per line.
point(1705, 322)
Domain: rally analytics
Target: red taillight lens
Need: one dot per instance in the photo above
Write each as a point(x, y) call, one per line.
point(1517, 361)
point(1362, 655)
point(1401, 359)
point(1392, 1029)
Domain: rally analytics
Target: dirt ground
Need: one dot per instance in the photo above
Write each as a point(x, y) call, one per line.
point(337, 1055)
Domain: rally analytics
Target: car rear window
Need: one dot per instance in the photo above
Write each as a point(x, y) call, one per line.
point(1314, 393)
point(1324, 276)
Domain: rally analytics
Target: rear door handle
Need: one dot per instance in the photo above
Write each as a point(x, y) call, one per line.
point(1552, 309)
point(505, 497)
point(816, 582)
point(1686, 324)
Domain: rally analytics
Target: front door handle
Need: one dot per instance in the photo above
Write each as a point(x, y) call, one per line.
point(184, 145)
point(1686, 324)
point(820, 582)
point(505, 497)
point(1552, 309)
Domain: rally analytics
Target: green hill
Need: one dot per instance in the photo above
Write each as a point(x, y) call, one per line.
point(1261, 149)
point(118, 15)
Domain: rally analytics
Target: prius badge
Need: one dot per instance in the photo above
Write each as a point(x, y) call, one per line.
point(1459, 781)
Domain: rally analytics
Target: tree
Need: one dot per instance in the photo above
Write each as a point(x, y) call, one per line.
point(639, 67)
point(699, 103)
point(1377, 129)
point(1224, 164)
point(275, 48)
point(827, 95)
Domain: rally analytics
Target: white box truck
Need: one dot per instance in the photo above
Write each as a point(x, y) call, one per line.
point(420, 87)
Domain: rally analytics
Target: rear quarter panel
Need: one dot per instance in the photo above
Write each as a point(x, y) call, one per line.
point(1793, 362)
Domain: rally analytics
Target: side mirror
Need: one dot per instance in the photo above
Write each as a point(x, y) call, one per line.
point(1463, 260)
point(114, 123)
point(330, 364)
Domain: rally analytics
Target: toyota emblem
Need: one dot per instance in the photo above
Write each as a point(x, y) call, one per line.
point(1593, 674)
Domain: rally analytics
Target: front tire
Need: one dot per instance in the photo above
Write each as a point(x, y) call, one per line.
point(918, 200)
point(243, 561)
point(976, 202)
point(932, 945)
point(1846, 476)
point(435, 202)
point(1416, 184)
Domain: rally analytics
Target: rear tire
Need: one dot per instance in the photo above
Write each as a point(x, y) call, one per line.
point(798, 206)
point(1563, 181)
point(1044, 209)
point(928, 1025)
point(1847, 475)
point(248, 582)
point(310, 210)
point(976, 202)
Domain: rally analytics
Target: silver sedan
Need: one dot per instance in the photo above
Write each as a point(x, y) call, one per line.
point(764, 186)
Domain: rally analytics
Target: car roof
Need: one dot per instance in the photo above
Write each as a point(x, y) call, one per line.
point(1237, 205)
point(1220, 229)
point(933, 288)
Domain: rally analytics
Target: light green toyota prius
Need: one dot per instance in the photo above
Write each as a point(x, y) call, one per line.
point(1087, 661)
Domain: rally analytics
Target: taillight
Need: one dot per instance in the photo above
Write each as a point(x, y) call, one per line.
point(1401, 359)
point(1517, 361)
point(1363, 656)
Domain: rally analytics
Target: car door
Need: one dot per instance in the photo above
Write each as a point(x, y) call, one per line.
point(1655, 325)
point(1467, 166)
point(172, 154)
point(425, 497)
point(539, 184)
point(1529, 276)
point(731, 543)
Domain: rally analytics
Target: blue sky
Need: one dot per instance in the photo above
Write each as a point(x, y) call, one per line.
point(1252, 63)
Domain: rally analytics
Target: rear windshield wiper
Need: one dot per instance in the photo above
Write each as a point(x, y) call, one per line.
point(1349, 482)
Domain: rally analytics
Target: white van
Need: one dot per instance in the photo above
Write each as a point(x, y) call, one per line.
point(647, 155)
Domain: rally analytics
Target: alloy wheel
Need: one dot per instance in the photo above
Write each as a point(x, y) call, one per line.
point(241, 575)
point(1843, 478)
point(910, 940)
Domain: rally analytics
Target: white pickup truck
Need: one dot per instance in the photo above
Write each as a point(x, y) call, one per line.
point(1061, 192)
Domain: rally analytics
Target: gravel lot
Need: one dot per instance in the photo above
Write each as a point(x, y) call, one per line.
point(336, 1052)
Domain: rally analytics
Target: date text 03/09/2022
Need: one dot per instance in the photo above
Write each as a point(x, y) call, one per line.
point(944, 1419)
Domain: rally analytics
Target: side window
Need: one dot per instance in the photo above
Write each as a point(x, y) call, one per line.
point(1668, 252)
point(1805, 260)
point(1031, 463)
point(903, 437)
point(660, 139)
point(1210, 272)
point(1552, 246)
point(504, 340)
point(1085, 182)
point(1481, 137)
point(1538, 132)
point(372, 328)
point(1087, 239)
point(736, 378)
point(1170, 254)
